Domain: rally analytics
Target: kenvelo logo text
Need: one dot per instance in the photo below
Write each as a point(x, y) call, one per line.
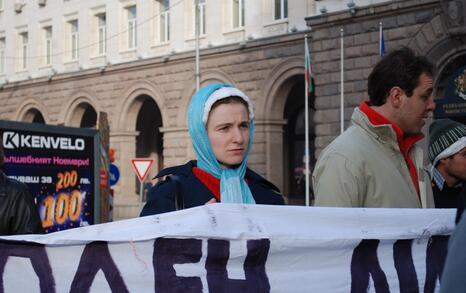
point(14, 140)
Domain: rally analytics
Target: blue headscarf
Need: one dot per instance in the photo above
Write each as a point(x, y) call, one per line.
point(233, 188)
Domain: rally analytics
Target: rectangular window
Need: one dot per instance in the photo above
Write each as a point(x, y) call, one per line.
point(74, 38)
point(1, 5)
point(238, 13)
point(281, 9)
point(102, 33)
point(48, 45)
point(24, 50)
point(2, 55)
point(164, 21)
point(201, 17)
point(132, 35)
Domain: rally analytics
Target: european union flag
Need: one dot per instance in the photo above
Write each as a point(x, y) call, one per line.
point(381, 43)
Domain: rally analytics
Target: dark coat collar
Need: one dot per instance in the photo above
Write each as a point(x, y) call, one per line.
point(186, 170)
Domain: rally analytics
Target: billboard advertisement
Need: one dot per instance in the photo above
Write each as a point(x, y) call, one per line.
point(59, 165)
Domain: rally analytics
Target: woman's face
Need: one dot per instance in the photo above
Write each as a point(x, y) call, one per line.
point(228, 132)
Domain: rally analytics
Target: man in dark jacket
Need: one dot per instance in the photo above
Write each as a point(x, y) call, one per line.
point(18, 212)
point(447, 153)
point(453, 280)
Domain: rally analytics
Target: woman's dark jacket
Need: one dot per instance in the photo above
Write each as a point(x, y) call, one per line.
point(18, 212)
point(192, 192)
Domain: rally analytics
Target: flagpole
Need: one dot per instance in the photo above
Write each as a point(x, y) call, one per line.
point(380, 39)
point(306, 126)
point(342, 84)
point(197, 32)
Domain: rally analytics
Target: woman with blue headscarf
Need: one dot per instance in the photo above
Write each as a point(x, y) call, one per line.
point(221, 125)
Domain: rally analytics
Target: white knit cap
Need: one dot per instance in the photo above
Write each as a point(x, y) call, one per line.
point(451, 150)
point(223, 93)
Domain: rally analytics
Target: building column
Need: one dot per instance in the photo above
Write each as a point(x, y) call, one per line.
point(272, 132)
point(126, 200)
point(177, 146)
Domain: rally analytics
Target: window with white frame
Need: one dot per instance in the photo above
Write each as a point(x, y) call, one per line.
point(238, 13)
point(201, 17)
point(1, 5)
point(164, 20)
point(281, 9)
point(48, 45)
point(74, 39)
point(102, 33)
point(24, 50)
point(2, 55)
point(132, 29)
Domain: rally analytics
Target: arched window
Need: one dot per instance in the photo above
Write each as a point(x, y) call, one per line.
point(89, 118)
point(149, 142)
point(294, 141)
point(34, 116)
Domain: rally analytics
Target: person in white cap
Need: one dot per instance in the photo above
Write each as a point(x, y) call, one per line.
point(221, 126)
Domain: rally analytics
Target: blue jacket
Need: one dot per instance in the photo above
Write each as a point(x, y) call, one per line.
point(161, 197)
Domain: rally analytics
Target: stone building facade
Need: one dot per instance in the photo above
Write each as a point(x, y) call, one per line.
point(146, 88)
point(260, 69)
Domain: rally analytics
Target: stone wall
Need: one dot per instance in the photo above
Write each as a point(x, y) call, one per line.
point(116, 90)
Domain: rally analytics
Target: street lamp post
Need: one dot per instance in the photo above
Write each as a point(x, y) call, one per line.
point(197, 43)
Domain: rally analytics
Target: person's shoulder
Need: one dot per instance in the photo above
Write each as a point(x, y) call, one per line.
point(255, 178)
point(183, 170)
point(353, 142)
point(172, 178)
point(161, 196)
point(347, 152)
point(174, 181)
point(263, 191)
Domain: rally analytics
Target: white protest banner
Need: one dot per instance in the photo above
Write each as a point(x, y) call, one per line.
point(237, 248)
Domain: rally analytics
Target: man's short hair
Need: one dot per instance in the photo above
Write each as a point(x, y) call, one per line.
point(401, 68)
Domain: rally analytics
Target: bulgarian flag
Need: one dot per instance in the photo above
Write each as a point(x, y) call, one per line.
point(307, 66)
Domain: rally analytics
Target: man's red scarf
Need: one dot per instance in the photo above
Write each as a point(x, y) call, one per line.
point(405, 142)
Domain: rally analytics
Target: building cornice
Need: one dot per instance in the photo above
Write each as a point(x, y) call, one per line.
point(161, 61)
point(368, 12)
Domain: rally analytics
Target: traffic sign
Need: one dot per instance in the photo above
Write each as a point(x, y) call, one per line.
point(142, 166)
point(114, 174)
point(103, 178)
